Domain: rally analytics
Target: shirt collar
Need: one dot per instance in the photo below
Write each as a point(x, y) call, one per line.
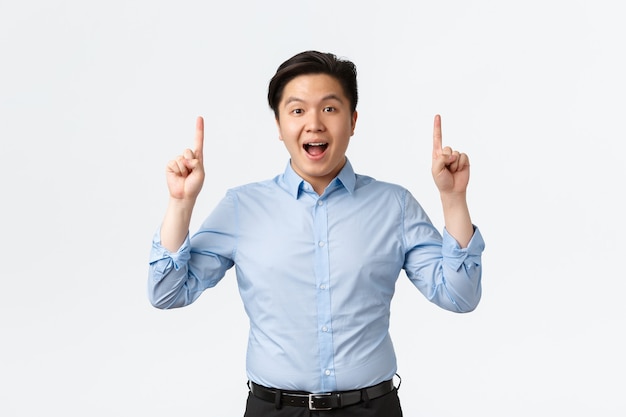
point(293, 182)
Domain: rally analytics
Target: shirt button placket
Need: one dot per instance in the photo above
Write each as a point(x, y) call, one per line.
point(323, 296)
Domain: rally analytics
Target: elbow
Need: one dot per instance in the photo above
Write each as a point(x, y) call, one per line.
point(456, 301)
point(467, 309)
point(158, 303)
point(162, 301)
point(460, 308)
point(462, 295)
point(467, 305)
point(168, 300)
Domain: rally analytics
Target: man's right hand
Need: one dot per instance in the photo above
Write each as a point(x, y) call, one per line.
point(185, 173)
point(185, 176)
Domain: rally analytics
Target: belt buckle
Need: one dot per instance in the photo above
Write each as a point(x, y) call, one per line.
point(313, 397)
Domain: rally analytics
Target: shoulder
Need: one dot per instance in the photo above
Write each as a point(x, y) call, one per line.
point(251, 187)
point(367, 184)
point(254, 190)
point(387, 194)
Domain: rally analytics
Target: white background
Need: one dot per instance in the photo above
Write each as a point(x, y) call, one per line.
point(96, 97)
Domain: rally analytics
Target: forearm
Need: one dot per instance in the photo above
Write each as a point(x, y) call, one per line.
point(457, 217)
point(175, 226)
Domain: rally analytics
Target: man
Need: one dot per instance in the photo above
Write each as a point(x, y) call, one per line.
point(317, 252)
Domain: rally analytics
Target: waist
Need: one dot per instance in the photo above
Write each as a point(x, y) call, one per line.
point(297, 367)
point(320, 401)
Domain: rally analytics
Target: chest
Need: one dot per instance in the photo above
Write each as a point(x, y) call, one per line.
point(341, 234)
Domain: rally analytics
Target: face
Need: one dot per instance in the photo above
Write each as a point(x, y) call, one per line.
point(315, 123)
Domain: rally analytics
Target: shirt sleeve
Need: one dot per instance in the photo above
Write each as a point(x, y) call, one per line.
point(178, 279)
point(447, 275)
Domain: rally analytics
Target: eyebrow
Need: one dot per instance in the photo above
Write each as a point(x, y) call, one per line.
point(331, 96)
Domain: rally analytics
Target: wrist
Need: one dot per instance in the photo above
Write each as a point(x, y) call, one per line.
point(452, 199)
point(181, 208)
point(182, 203)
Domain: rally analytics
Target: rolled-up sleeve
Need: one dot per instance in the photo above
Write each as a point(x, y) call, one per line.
point(462, 271)
point(448, 275)
point(169, 280)
point(162, 260)
point(177, 279)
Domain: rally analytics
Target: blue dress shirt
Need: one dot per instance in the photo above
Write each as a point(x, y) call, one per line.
point(317, 274)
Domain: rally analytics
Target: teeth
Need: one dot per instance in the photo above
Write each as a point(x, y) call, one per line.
point(316, 144)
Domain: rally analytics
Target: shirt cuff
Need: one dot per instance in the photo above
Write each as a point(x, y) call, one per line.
point(456, 256)
point(159, 253)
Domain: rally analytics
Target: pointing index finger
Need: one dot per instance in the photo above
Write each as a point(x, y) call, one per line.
point(437, 141)
point(199, 139)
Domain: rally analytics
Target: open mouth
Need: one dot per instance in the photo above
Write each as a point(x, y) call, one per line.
point(315, 148)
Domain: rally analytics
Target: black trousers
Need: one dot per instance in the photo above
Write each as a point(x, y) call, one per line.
point(386, 406)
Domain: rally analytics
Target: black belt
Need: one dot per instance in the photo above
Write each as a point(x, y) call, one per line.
point(324, 401)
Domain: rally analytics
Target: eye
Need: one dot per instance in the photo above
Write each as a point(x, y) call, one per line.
point(297, 111)
point(329, 109)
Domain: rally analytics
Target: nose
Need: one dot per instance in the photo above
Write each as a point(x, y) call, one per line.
point(314, 122)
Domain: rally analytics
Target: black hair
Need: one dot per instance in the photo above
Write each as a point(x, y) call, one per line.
point(313, 62)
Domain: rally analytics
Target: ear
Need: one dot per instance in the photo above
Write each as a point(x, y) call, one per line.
point(355, 115)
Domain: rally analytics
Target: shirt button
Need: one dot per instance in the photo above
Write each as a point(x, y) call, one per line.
point(324, 329)
point(322, 287)
point(327, 372)
point(321, 243)
point(320, 203)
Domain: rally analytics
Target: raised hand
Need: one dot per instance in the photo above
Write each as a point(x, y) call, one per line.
point(185, 173)
point(450, 168)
